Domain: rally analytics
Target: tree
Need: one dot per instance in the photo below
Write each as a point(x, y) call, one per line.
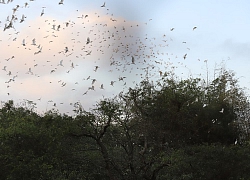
point(176, 129)
point(32, 146)
point(188, 112)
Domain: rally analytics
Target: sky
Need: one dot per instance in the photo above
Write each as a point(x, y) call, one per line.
point(56, 55)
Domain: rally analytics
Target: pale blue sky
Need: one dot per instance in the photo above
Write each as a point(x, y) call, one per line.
point(222, 34)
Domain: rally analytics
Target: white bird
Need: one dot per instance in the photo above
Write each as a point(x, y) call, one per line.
point(60, 64)
point(236, 141)
point(222, 110)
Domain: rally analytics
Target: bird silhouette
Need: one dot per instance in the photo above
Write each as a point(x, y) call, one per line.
point(61, 2)
point(60, 63)
point(103, 5)
point(42, 13)
point(88, 41)
point(185, 56)
point(23, 43)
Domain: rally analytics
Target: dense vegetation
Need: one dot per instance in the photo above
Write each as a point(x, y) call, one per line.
point(169, 129)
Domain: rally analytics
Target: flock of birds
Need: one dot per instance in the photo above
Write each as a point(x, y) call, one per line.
point(81, 59)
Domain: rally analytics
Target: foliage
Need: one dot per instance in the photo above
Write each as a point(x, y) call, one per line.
point(177, 129)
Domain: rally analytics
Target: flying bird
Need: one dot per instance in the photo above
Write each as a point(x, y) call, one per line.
point(39, 51)
point(22, 19)
point(222, 110)
point(96, 67)
point(33, 42)
point(42, 13)
point(61, 2)
point(160, 73)
point(23, 42)
point(29, 71)
point(194, 28)
point(93, 81)
point(236, 141)
point(92, 88)
point(15, 9)
point(60, 64)
point(185, 56)
point(66, 49)
point(63, 84)
point(103, 5)
point(89, 53)
point(133, 60)
point(72, 65)
point(58, 27)
point(112, 83)
point(26, 4)
point(52, 71)
point(85, 93)
point(54, 27)
point(88, 41)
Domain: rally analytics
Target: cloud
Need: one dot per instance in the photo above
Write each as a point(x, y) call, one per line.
point(236, 49)
point(114, 41)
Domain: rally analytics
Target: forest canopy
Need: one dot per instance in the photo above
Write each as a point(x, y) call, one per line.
point(167, 129)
